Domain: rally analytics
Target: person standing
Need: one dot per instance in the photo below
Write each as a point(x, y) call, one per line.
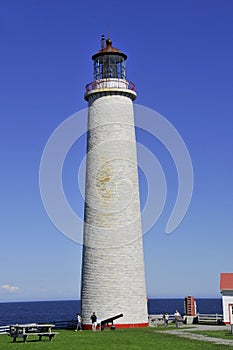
point(79, 322)
point(165, 319)
point(94, 321)
point(176, 313)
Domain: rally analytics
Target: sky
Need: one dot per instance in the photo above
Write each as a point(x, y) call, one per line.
point(180, 56)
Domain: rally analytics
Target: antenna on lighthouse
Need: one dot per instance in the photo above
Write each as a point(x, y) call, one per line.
point(108, 30)
point(102, 42)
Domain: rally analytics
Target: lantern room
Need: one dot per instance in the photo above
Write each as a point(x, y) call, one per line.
point(110, 72)
point(109, 62)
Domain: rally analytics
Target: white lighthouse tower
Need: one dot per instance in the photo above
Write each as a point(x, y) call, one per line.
point(113, 277)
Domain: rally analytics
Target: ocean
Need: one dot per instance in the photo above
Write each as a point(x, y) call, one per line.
point(51, 311)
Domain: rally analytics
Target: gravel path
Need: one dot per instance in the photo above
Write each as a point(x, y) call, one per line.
point(187, 333)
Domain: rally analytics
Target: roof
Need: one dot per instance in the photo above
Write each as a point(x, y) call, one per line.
point(226, 281)
point(108, 49)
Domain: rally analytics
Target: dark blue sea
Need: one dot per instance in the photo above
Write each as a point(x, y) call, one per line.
point(51, 311)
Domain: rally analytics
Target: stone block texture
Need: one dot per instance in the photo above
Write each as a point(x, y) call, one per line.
point(113, 277)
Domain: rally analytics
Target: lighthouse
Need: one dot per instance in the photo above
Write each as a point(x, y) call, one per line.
point(113, 276)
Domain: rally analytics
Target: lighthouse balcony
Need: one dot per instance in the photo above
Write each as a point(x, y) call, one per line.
point(110, 83)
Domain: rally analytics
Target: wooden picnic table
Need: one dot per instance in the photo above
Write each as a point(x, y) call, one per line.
point(25, 330)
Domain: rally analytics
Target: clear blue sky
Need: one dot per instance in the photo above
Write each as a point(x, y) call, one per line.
point(180, 56)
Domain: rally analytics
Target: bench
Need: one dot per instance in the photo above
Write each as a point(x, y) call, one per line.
point(40, 335)
point(105, 323)
point(179, 321)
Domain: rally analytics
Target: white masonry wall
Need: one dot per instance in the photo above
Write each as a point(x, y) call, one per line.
point(113, 278)
point(227, 300)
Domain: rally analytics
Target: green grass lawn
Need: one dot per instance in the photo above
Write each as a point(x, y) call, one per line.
point(224, 334)
point(125, 339)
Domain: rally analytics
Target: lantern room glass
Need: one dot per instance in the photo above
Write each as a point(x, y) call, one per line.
point(109, 66)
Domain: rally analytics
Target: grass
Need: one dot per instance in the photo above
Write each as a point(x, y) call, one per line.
point(224, 334)
point(125, 339)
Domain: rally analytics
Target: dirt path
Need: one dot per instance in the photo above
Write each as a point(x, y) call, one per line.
point(188, 333)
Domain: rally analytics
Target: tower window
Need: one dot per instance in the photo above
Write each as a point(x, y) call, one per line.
point(109, 66)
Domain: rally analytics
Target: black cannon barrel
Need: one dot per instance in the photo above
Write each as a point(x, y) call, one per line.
point(111, 319)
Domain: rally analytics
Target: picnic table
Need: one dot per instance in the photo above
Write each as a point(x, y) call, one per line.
point(26, 330)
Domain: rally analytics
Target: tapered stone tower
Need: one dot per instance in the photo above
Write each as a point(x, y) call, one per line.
point(113, 278)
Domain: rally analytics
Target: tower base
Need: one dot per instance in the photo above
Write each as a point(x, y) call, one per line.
point(119, 325)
